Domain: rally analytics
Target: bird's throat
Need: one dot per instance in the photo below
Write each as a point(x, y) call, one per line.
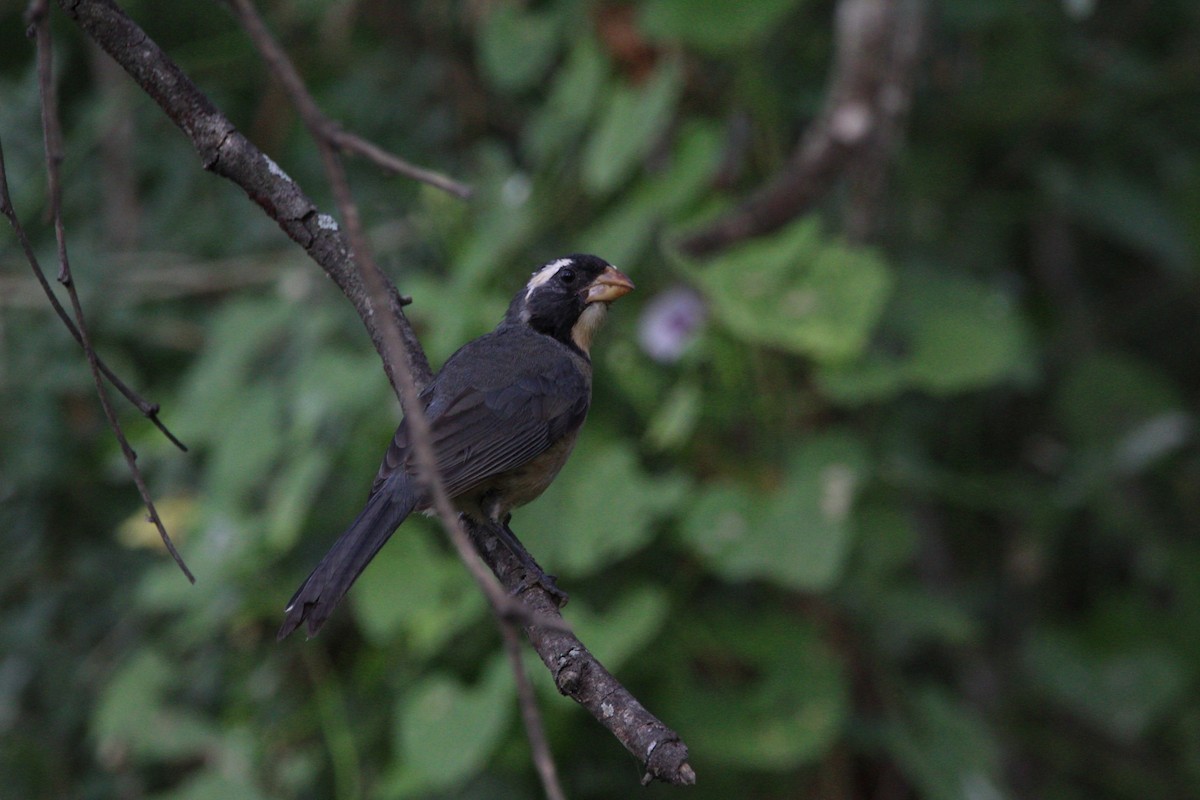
point(589, 322)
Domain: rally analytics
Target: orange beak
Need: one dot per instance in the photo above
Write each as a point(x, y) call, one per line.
point(608, 286)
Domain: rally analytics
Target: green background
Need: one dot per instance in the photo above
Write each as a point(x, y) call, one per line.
point(910, 518)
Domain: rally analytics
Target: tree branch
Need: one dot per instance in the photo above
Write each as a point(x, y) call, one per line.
point(148, 409)
point(225, 151)
point(867, 87)
point(52, 144)
point(581, 677)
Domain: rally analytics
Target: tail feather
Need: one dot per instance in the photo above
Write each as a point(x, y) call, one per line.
point(321, 591)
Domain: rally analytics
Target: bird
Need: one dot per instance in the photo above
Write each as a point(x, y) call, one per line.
point(504, 412)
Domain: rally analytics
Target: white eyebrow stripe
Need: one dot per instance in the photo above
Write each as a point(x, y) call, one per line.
point(546, 273)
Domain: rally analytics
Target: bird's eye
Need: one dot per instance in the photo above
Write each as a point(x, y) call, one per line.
point(566, 275)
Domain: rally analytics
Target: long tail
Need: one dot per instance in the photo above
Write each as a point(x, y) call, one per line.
point(321, 591)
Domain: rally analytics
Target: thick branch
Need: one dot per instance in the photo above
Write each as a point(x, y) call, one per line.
point(581, 677)
point(225, 151)
point(866, 89)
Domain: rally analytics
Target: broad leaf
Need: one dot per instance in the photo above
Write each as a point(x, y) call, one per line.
point(797, 535)
point(446, 731)
point(800, 291)
point(629, 127)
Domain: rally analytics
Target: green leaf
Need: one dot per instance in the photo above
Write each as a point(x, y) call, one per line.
point(234, 345)
point(715, 26)
point(906, 616)
point(1123, 692)
point(244, 457)
point(756, 691)
point(800, 291)
point(213, 784)
point(797, 535)
point(446, 731)
point(573, 100)
point(131, 698)
point(945, 748)
point(133, 714)
point(965, 335)
point(516, 46)
point(292, 494)
point(415, 590)
point(942, 334)
point(886, 539)
point(629, 127)
point(624, 233)
point(601, 508)
point(1123, 209)
point(334, 384)
point(1104, 396)
point(676, 418)
point(476, 312)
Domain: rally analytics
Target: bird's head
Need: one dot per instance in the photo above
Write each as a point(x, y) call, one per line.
point(568, 298)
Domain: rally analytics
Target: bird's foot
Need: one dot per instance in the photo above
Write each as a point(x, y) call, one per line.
point(547, 583)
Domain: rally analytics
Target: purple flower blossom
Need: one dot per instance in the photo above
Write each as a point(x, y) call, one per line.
point(670, 322)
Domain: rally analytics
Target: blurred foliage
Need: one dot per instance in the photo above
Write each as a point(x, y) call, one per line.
point(910, 518)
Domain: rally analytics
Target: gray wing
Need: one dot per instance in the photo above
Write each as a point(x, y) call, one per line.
point(478, 433)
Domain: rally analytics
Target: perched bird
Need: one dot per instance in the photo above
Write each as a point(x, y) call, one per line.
point(503, 412)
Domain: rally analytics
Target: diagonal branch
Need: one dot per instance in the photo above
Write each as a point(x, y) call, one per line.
point(224, 150)
point(148, 409)
point(389, 162)
point(581, 677)
point(869, 87)
point(52, 144)
point(321, 127)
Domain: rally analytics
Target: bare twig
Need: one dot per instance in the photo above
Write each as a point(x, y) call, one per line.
point(355, 144)
point(394, 348)
point(535, 732)
point(52, 142)
point(148, 409)
point(862, 97)
point(322, 127)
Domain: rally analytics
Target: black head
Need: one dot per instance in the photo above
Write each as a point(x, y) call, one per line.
point(568, 298)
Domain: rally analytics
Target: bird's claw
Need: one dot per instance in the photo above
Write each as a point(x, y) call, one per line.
point(547, 583)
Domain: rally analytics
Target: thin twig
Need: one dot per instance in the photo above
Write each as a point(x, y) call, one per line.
point(321, 126)
point(503, 606)
point(535, 731)
point(355, 144)
point(403, 382)
point(148, 409)
point(52, 142)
